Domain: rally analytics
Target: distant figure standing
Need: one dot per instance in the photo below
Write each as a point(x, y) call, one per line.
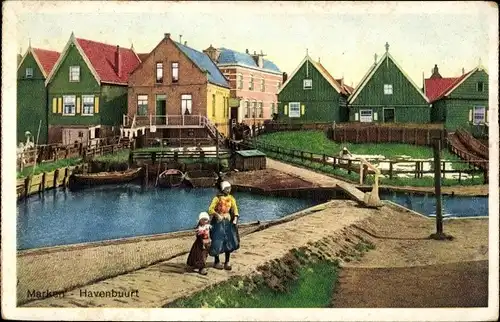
point(345, 153)
point(224, 233)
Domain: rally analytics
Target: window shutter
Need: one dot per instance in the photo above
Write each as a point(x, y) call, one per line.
point(59, 105)
point(470, 115)
point(54, 105)
point(303, 109)
point(96, 104)
point(78, 105)
point(486, 116)
point(286, 109)
point(375, 116)
point(356, 116)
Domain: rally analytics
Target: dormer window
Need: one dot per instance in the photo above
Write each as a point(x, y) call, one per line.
point(159, 72)
point(74, 73)
point(308, 83)
point(29, 72)
point(387, 89)
point(480, 86)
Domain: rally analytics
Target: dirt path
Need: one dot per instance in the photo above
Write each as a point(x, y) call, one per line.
point(164, 282)
point(408, 270)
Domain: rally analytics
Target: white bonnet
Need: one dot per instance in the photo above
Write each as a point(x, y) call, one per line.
point(224, 185)
point(203, 215)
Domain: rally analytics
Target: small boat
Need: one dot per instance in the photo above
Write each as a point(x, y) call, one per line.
point(202, 178)
point(101, 178)
point(171, 178)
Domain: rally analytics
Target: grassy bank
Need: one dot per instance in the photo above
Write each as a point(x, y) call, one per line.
point(118, 157)
point(48, 167)
point(313, 289)
point(317, 142)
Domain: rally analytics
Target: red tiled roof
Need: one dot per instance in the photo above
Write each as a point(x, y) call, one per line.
point(435, 88)
point(142, 57)
point(47, 58)
point(102, 58)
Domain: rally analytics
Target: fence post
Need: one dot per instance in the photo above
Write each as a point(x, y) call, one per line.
point(176, 155)
point(27, 185)
point(349, 165)
point(202, 155)
point(324, 159)
point(41, 188)
point(459, 176)
point(65, 180)
point(81, 149)
point(56, 174)
point(301, 156)
point(153, 157)
point(444, 173)
point(390, 169)
point(130, 158)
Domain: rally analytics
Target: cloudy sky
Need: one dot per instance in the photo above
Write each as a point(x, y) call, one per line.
point(345, 36)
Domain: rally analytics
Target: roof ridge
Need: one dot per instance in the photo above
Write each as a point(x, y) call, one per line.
point(103, 43)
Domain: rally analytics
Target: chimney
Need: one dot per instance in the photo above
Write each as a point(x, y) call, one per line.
point(435, 72)
point(463, 70)
point(118, 61)
point(185, 43)
point(246, 51)
point(180, 39)
point(167, 35)
point(212, 52)
point(285, 77)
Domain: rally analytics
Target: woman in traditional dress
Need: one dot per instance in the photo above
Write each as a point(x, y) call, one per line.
point(224, 232)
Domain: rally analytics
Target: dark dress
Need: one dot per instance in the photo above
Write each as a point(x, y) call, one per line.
point(224, 234)
point(198, 255)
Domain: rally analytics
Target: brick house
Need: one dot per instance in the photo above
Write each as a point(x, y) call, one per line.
point(33, 68)
point(177, 92)
point(254, 83)
point(87, 90)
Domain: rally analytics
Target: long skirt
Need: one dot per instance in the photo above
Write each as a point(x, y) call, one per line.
point(198, 255)
point(225, 237)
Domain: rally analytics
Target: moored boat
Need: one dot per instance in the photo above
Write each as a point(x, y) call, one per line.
point(101, 178)
point(171, 178)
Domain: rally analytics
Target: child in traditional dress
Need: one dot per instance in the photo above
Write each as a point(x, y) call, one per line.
point(199, 251)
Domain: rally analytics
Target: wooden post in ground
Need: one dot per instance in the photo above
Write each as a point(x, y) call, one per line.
point(439, 235)
point(27, 185)
point(65, 180)
point(41, 188)
point(390, 170)
point(56, 175)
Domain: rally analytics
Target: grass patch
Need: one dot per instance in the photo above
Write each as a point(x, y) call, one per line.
point(313, 289)
point(48, 167)
point(317, 142)
point(118, 157)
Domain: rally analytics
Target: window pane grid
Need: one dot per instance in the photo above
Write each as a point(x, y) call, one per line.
point(74, 73)
point(88, 104)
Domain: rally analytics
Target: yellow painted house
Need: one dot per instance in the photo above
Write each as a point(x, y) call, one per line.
point(218, 107)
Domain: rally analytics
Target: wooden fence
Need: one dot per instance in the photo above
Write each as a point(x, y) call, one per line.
point(152, 157)
point(39, 183)
point(51, 153)
point(153, 142)
point(387, 167)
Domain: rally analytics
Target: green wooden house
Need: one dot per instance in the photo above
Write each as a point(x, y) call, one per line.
point(312, 95)
point(387, 94)
point(33, 68)
point(87, 91)
point(459, 102)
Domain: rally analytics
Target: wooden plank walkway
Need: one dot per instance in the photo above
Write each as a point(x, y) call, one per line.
point(318, 178)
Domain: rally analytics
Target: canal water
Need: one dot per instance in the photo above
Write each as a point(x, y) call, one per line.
point(64, 217)
point(453, 206)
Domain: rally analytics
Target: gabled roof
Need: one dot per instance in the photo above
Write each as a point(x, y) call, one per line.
point(143, 56)
point(205, 64)
point(321, 69)
point(229, 56)
point(437, 88)
point(371, 72)
point(100, 58)
point(45, 59)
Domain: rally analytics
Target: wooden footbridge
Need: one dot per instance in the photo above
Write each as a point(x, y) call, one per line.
point(468, 148)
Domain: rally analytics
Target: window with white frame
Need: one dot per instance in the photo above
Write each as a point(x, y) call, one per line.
point(308, 83)
point(88, 105)
point(260, 111)
point(254, 109)
point(159, 72)
point(247, 109)
point(240, 81)
point(29, 72)
point(479, 114)
point(262, 85)
point(250, 85)
point(187, 104)
point(294, 109)
point(142, 105)
point(387, 89)
point(175, 72)
point(69, 105)
point(366, 116)
point(74, 73)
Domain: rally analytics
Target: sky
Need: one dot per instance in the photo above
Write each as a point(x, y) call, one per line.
point(344, 36)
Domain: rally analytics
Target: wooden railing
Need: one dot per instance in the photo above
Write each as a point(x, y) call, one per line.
point(162, 142)
point(472, 143)
point(387, 167)
point(153, 157)
point(167, 120)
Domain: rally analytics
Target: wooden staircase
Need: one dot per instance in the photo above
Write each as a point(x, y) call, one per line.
point(212, 131)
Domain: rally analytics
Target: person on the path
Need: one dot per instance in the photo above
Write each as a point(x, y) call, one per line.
point(224, 232)
point(199, 251)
